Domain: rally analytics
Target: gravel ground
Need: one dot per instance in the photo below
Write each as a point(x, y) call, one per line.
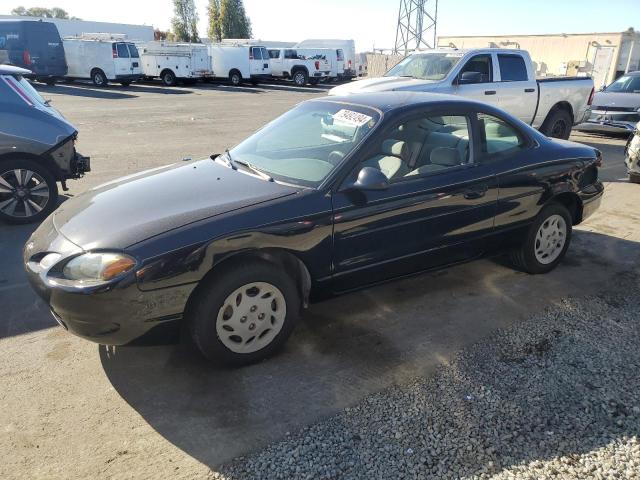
point(555, 397)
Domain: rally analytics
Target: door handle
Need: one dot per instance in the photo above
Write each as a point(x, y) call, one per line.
point(475, 193)
point(489, 92)
point(529, 90)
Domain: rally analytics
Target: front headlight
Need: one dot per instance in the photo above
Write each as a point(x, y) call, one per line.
point(97, 267)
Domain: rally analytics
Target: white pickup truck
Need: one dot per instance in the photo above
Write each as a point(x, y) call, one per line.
point(289, 63)
point(502, 77)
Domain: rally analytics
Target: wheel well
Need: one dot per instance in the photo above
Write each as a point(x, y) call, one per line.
point(235, 70)
point(299, 68)
point(94, 70)
point(167, 70)
point(566, 106)
point(44, 160)
point(573, 204)
point(291, 264)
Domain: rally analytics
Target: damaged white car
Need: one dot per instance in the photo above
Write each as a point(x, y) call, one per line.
point(632, 156)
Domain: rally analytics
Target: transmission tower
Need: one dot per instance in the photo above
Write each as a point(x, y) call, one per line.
point(416, 25)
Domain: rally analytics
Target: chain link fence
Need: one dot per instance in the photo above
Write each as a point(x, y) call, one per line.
point(379, 63)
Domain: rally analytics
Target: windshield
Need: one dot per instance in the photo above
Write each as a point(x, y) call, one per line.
point(306, 144)
point(425, 66)
point(626, 84)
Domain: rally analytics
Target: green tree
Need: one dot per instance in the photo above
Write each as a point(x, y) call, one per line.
point(185, 21)
point(234, 20)
point(54, 12)
point(215, 25)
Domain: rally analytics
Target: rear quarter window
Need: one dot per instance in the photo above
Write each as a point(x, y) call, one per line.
point(122, 50)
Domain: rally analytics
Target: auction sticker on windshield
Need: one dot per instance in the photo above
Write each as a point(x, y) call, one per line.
point(354, 118)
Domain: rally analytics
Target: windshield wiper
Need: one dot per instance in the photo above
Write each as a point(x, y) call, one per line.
point(262, 174)
point(226, 158)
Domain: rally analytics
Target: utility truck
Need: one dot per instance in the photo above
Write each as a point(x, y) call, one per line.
point(501, 77)
point(173, 62)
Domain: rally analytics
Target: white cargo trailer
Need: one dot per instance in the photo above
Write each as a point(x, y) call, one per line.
point(102, 58)
point(240, 63)
point(172, 62)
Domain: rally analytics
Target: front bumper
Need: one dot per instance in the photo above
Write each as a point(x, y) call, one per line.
point(110, 314)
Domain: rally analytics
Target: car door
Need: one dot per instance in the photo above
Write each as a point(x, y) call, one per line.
point(484, 88)
point(437, 208)
point(518, 95)
point(275, 57)
point(136, 68)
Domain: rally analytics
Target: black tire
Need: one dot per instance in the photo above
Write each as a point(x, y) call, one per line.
point(210, 298)
point(168, 78)
point(558, 124)
point(20, 212)
point(300, 77)
point(125, 84)
point(235, 78)
point(524, 257)
point(634, 177)
point(98, 78)
point(314, 81)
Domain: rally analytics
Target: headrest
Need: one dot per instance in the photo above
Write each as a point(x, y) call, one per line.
point(446, 157)
point(396, 148)
point(495, 129)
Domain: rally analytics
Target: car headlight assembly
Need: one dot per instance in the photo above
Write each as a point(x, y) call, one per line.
point(93, 268)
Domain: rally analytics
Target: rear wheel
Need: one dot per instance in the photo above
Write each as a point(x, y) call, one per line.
point(98, 78)
point(168, 78)
point(547, 241)
point(300, 78)
point(244, 314)
point(235, 78)
point(558, 124)
point(28, 191)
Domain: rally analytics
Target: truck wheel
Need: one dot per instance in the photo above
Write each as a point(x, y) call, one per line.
point(125, 84)
point(558, 124)
point(547, 241)
point(28, 191)
point(300, 78)
point(244, 313)
point(98, 78)
point(235, 78)
point(168, 78)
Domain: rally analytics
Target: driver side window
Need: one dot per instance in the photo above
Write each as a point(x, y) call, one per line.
point(423, 146)
point(481, 64)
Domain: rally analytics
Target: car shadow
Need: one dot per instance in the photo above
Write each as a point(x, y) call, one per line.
point(262, 87)
point(347, 348)
point(111, 92)
point(23, 311)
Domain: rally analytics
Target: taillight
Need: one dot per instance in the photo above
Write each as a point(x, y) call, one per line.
point(317, 65)
point(593, 93)
point(114, 52)
point(26, 57)
point(349, 63)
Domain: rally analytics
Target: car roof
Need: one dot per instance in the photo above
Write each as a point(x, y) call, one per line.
point(388, 101)
point(11, 70)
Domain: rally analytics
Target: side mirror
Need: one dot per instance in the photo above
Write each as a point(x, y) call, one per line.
point(369, 178)
point(467, 78)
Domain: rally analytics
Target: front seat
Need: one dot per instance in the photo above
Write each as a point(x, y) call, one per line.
point(393, 161)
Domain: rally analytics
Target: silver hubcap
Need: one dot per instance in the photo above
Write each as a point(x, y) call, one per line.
point(23, 193)
point(251, 317)
point(550, 239)
point(299, 79)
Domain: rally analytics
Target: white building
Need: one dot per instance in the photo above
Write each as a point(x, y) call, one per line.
point(73, 28)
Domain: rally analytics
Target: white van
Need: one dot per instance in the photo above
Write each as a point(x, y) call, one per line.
point(102, 58)
point(172, 62)
point(240, 63)
point(345, 50)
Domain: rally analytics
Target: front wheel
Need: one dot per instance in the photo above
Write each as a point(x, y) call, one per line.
point(244, 314)
point(547, 241)
point(28, 191)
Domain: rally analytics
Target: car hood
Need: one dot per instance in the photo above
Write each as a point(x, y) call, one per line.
point(134, 208)
point(380, 84)
point(614, 99)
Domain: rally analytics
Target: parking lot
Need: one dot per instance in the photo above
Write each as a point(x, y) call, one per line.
point(72, 409)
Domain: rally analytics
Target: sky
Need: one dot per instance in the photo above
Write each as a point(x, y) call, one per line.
point(372, 23)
